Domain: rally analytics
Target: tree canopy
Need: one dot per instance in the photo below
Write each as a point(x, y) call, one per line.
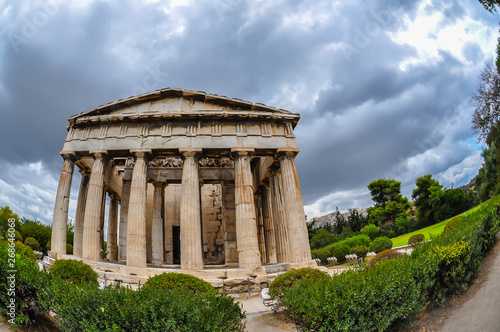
point(389, 203)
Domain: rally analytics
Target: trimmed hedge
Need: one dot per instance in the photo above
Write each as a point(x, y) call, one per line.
point(75, 272)
point(417, 238)
point(384, 255)
point(380, 244)
point(115, 309)
point(32, 243)
point(289, 279)
point(179, 282)
point(389, 294)
point(321, 253)
point(360, 251)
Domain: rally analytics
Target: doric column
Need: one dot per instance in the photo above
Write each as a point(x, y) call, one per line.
point(157, 227)
point(191, 250)
point(280, 230)
point(246, 226)
point(60, 220)
point(93, 209)
point(298, 240)
point(267, 214)
point(101, 225)
point(112, 227)
point(80, 212)
point(124, 218)
point(260, 229)
point(136, 225)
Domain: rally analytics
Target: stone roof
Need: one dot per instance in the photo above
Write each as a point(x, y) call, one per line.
point(234, 105)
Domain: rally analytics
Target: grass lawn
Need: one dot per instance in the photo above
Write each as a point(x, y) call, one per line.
point(435, 229)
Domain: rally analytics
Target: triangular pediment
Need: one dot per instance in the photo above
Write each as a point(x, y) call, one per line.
point(172, 102)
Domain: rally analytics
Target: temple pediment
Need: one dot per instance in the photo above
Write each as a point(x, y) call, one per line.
point(178, 103)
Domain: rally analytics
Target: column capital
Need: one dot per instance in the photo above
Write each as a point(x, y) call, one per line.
point(101, 154)
point(287, 153)
point(159, 183)
point(141, 153)
point(242, 152)
point(71, 155)
point(112, 195)
point(190, 152)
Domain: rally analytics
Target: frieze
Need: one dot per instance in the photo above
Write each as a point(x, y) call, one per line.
point(216, 162)
point(174, 162)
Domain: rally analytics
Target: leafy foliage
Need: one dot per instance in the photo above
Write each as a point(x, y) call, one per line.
point(371, 231)
point(179, 281)
point(417, 238)
point(287, 280)
point(360, 251)
point(389, 203)
point(75, 272)
point(29, 282)
point(389, 294)
point(322, 238)
point(32, 243)
point(322, 253)
point(149, 309)
point(380, 244)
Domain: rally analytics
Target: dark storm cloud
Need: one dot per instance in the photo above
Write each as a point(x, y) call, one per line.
point(336, 63)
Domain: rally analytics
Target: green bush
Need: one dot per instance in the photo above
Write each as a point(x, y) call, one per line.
point(321, 239)
point(148, 309)
point(179, 281)
point(371, 231)
point(74, 272)
point(384, 255)
point(452, 223)
point(19, 237)
point(287, 280)
point(32, 243)
point(360, 251)
point(69, 249)
point(380, 244)
point(403, 287)
point(339, 250)
point(417, 238)
point(372, 299)
point(24, 251)
point(322, 254)
point(358, 240)
point(29, 283)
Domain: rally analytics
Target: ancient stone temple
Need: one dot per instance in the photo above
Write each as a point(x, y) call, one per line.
point(193, 180)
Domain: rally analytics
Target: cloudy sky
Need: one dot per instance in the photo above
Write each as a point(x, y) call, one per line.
point(383, 87)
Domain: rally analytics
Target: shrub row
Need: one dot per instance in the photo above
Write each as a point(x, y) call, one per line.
point(168, 302)
point(389, 294)
point(359, 245)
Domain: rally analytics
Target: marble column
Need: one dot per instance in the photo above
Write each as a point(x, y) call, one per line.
point(80, 212)
point(298, 240)
point(123, 219)
point(112, 227)
point(190, 215)
point(267, 214)
point(136, 225)
point(60, 220)
point(93, 209)
point(260, 229)
point(157, 227)
point(101, 226)
point(246, 226)
point(282, 253)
